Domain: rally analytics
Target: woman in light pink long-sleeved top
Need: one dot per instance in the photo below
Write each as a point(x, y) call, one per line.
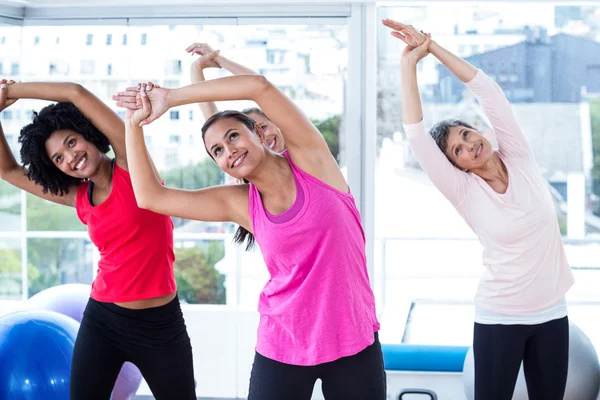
point(520, 308)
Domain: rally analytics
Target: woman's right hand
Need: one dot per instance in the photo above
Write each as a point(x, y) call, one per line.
point(199, 48)
point(158, 97)
point(412, 55)
point(5, 102)
point(207, 60)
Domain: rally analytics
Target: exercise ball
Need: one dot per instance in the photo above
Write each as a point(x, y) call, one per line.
point(36, 348)
point(71, 300)
point(583, 379)
point(127, 383)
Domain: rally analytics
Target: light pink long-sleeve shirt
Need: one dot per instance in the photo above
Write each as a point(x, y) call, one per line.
point(525, 266)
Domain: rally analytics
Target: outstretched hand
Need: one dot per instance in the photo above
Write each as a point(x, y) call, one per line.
point(5, 102)
point(407, 33)
point(136, 116)
point(132, 100)
point(417, 42)
point(199, 48)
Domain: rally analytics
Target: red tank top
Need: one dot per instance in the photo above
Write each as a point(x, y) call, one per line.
point(136, 245)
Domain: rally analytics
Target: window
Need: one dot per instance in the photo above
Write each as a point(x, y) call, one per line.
point(14, 68)
point(57, 40)
point(179, 159)
point(1, 68)
point(88, 67)
point(3, 40)
point(108, 39)
point(435, 267)
point(36, 40)
point(7, 115)
point(173, 67)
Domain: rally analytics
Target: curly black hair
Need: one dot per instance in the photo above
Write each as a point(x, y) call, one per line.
point(33, 137)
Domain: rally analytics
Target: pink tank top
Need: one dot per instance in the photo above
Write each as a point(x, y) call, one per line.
point(318, 305)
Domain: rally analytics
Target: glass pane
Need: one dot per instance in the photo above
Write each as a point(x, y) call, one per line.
point(10, 198)
point(43, 215)
point(545, 58)
point(10, 207)
point(307, 62)
point(199, 268)
point(10, 269)
point(54, 262)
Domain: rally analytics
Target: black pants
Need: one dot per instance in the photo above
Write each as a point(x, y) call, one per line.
point(498, 352)
point(154, 339)
point(359, 377)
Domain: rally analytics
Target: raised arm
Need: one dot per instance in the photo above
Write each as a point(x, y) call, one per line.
point(208, 108)
point(103, 118)
point(13, 173)
point(305, 143)
point(448, 179)
point(494, 103)
point(218, 204)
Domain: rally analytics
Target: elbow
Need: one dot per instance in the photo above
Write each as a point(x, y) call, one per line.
point(76, 91)
point(147, 200)
point(144, 204)
point(261, 84)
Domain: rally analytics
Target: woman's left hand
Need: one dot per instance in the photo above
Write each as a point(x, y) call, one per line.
point(131, 99)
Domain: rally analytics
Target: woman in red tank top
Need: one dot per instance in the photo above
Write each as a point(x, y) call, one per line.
point(64, 152)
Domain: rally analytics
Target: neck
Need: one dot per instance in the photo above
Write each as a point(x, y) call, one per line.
point(102, 177)
point(493, 170)
point(274, 175)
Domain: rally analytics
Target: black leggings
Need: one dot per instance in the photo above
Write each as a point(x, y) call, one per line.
point(357, 377)
point(154, 339)
point(498, 352)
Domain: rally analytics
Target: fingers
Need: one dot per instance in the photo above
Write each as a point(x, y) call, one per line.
point(129, 106)
point(191, 47)
point(3, 93)
point(146, 105)
point(390, 23)
point(400, 36)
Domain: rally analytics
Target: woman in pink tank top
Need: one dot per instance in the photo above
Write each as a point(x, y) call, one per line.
point(317, 311)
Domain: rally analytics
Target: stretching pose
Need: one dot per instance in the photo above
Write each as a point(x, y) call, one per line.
point(317, 311)
point(520, 308)
point(210, 58)
point(133, 313)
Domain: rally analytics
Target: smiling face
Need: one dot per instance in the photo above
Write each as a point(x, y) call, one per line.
point(467, 148)
point(72, 154)
point(236, 149)
point(273, 137)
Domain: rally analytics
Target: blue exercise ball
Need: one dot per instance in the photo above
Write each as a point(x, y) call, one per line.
point(36, 349)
